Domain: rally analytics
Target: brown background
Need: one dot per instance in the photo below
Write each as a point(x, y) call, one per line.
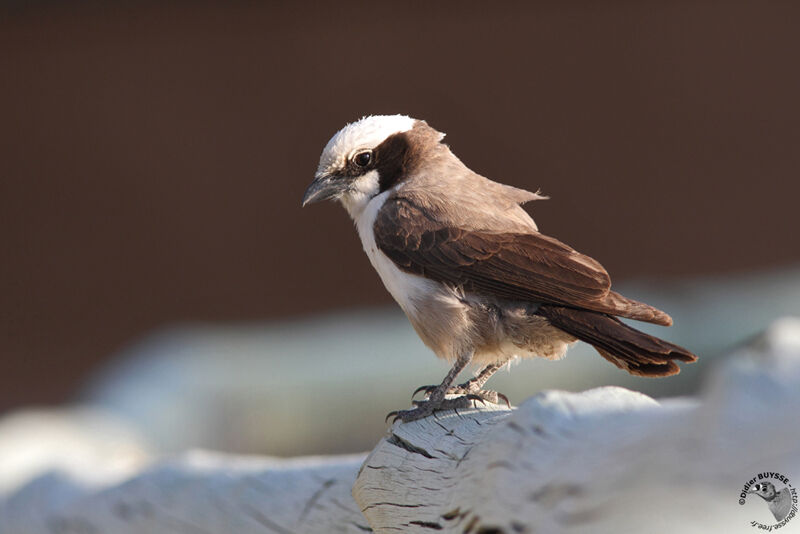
point(153, 155)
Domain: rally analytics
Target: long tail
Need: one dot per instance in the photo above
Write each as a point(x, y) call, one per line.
point(627, 348)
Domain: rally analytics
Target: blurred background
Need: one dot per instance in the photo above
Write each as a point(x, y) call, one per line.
point(159, 275)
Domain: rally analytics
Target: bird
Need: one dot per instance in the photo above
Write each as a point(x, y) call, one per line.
point(468, 266)
point(779, 502)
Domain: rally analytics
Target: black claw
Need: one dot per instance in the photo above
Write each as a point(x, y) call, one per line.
point(476, 398)
point(505, 399)
point(394, 414)
point(426, 389)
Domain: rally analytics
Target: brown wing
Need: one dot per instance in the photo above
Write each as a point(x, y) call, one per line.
point(517, 266)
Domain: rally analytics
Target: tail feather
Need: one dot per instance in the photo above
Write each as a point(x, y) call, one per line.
point(627, 348)
point(633, 309)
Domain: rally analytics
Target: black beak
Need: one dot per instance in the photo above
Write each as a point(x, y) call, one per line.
point(324, 187)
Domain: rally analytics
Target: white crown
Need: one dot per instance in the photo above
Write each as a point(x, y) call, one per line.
point(366, 133)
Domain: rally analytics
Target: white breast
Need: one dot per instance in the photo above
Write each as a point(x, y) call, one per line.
point(408, 290)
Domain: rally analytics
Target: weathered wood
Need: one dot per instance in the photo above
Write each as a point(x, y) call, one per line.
point(605, 460)
point(198, 493)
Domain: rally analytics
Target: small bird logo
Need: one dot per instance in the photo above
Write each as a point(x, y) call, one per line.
point(779, 502)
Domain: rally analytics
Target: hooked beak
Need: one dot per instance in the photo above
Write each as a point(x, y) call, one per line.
point(324, 187)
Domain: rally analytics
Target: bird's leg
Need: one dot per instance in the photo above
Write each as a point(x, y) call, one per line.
point(441, 390)
point(436, 399)
point(473, 386)
point(476, 384)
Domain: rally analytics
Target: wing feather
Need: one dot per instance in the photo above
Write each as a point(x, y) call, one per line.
point(517, 266)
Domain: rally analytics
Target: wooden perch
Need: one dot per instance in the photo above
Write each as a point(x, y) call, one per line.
point(494, 468)
point(605, 460)
point(199, 493)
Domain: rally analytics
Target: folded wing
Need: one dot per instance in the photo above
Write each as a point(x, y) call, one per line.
point(517, 266)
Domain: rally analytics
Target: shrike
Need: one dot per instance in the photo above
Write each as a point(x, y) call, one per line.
point(468, 265)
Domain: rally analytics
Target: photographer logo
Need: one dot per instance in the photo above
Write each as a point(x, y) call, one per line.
point(773, 491)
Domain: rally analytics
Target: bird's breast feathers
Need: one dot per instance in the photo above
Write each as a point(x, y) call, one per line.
point(409, 290)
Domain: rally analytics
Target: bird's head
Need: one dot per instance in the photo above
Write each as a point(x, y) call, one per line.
point(765, 490)
point(367, 157)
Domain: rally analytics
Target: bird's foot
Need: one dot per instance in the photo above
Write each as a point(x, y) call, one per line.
point(468, 389)
point(425, 408)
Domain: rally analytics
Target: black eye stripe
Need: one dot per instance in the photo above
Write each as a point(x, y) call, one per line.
point(393, 159)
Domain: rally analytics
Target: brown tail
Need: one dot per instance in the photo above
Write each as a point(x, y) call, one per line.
point(627, 348)
point(632, 309)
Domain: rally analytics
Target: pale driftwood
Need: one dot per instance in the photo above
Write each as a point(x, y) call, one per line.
point(606, 460)
point(198, 493)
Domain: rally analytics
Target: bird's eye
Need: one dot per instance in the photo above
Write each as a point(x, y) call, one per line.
point(362, 159)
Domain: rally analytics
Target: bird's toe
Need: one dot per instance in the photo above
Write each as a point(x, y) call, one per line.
point(424, 408)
